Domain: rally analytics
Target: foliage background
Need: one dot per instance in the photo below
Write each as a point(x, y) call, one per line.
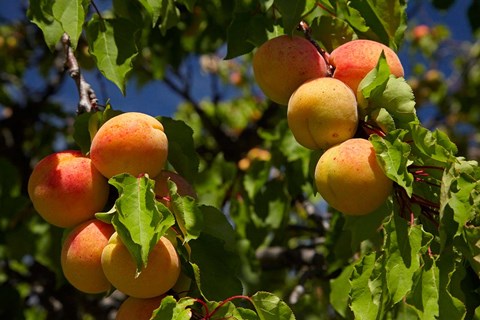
point(219, 100)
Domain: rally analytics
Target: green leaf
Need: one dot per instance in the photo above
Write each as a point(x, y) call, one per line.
point(71, 15)
point(217, 225)
point(366, 227)
point(181, 148)
point(170, 309)
point(393, 155)
point(450, 307)
point(365, 288)
point(215, 268)
point(87, 124)
point(324, 26)
point(40, 13)
point(404, 246)
point(140, 220)
point(382, 90)
point(386, 19)
point(271, 307)
point(112, 44)
point(434, 145)
point(187, 214)
point(241, 40)
point(189, 4)
point(154, 9)
point(291, 12)
point(340, 291)
point(424, 294)
point(80, 131)
point(348, 13)
point(459, 197)
point(256, 177)
point(163, 12)
point(229, 310)
point(472, 239)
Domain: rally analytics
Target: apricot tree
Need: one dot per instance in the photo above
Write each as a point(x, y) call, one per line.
point(315, 192)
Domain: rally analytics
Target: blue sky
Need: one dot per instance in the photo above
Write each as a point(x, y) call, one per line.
point(156, 99)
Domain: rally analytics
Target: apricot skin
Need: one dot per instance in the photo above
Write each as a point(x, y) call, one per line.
point(81, 256)
point(322, 112)
point(131, 142)
point(349, 178)
point(160, 275)
point(138, 309)
point(354, 59)
point(162, 194)
point(282, 64)
point(66, 189)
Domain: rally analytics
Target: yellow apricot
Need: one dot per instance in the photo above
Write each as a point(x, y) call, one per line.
point(131, 142)
point(66, 189)
point(137, 308)
point(282, 64)
point(159, 276)
point(81, 256)
point(322, 112)
point(354, 59)
point(349, 178)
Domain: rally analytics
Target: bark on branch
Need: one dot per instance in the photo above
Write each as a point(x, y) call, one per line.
point(88, 99)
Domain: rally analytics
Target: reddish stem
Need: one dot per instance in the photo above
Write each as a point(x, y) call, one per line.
point(413, 166)
point(372, 129)
point(326, 10)
point(221, 304)
point(305, 28)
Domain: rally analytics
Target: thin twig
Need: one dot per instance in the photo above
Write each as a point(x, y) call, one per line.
point(88, 99)
point(305, 28)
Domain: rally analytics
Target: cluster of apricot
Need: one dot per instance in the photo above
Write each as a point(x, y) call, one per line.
point(68, 188)
point(321, 93)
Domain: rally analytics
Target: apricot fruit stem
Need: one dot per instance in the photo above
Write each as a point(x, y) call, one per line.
point(370, 128)
point(305, 28)
point(88, 99)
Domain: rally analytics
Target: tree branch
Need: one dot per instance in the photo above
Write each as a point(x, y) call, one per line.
point(88, 99)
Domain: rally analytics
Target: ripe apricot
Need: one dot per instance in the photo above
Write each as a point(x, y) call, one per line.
point(349, 178)
point(282, 64)
point(66, 188)
point(159, 276)
point(81, 256)
point(354, 59)
point(137, 308)
point(322, 112)
point(131, 142)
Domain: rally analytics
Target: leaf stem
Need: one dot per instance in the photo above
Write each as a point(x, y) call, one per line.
point(94, 5)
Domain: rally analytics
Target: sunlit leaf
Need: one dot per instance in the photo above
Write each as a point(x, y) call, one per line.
point(40, 13)
point(271, 307)
point(112, 44)
point(71, 15)
point(170, 309)
point(140, 220)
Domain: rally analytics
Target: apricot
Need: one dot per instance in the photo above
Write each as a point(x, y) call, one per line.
point(159, 276)
point(282, 64)
point(322, 112)
point(131, 142)
point(66, 188)
point(137, 308)
point(162, 194)
point(81, 256)
point(349, 178)
point(354, 59)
